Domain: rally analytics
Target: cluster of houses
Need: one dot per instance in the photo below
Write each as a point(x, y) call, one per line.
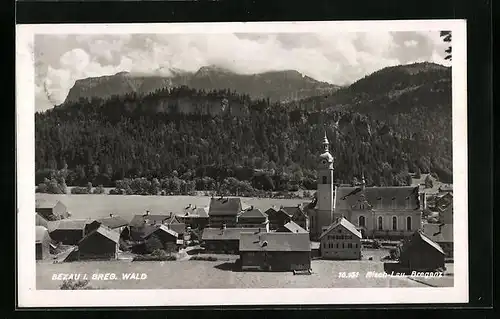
point(332, 226)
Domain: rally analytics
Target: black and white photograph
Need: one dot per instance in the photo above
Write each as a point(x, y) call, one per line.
point(242, 163)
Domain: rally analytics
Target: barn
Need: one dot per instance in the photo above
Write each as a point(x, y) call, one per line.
point(275, 251)
point(42, 243)
point(420, 253)
point(51, 210)
point(100, 244)
point(291, 227)
point(67, 231)
point(166, 238)
point(224, 240)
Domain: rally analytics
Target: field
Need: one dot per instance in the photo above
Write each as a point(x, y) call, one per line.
point(126, 206)
point(222, 274)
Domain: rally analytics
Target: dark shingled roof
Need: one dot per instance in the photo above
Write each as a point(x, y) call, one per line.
point(104, 231)
point(275, 242)
point(349, 197)
point(68, 224)
point(224, 206)
point(439, 233)
point(138, 220)
point(293, 227)
point(430, 241)
point(152, 230)
point(227, 234)
point(290, 210)
point(344, 222)
point(252, 213)
point(113, 222)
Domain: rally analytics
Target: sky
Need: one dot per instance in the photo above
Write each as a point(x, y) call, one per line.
point(337, 58)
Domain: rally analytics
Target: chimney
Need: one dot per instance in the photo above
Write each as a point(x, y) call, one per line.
point(111, 215)
point(251, 207)
point(147, 212)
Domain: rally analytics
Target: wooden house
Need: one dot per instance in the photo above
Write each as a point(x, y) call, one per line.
point(100, 244)
point(278, 217)
point(442, 234)
point(420, 253)
point(341, 241)
point(253, 218)
point(67, 231)
point(291, 227)
point(224, 211)
point(42, 243)
point(51, 210)
point(167, 238)
point(275, 251)
point(224, 240)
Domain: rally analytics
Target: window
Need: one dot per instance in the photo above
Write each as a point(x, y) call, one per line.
point(408, 202)
point(361, 221)
point(342, 245)
point(324, 180)
point(349, 245)
point(408, 223)
point(355, 245)
point(394, 223)
point(380, 223)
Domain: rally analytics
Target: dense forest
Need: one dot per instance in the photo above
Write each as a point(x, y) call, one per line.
point(228, 137)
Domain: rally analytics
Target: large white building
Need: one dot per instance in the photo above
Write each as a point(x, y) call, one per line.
point(381, 212)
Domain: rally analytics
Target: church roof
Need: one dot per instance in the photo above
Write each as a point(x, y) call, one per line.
point(394, 197)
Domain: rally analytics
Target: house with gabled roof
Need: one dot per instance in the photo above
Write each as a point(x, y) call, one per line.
point(275, 251)
point(101, 243)
point(442, 234)
point(279, 216)
point(68, 231)
point(51, 209)
point(224, 211)
point(421, 253)
point(140, 223)
point(194, 217)
point(113, 222)
point(341, 240)
point(166, 237)
point(225, 240)
point(253, 218)
point(291, 227)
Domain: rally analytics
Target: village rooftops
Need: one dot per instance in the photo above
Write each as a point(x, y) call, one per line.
point(252, 212)
point(344, 222)
point(153, 229)
point(106, 232)
point(68, 224)
point(223, 206)
point(194, 212)
point(293, 227)
point(396, 197)
point(227, 233)
point(286, 242)
point(291, 210)
point(140, 220)
point(439, 233)
point(113, 222)
point(429, 241)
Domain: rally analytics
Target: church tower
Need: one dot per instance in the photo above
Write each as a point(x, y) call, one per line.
point(325, 193)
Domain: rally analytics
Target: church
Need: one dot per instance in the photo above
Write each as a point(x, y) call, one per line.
point(377, 212)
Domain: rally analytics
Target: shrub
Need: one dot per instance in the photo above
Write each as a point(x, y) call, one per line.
point(154, 258)
point(75, 285)
point(205, 258)
point(98, 190)
point(79, 190)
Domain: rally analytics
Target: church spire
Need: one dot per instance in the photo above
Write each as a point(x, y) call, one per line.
point(326, 143)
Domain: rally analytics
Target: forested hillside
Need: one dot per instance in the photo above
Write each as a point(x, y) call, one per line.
point(270, 146)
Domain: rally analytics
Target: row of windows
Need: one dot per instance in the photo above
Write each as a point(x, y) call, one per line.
point(339, 245)
point(337, 237)
point(380, 222)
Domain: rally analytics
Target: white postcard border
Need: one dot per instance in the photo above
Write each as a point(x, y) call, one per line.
point(28, 296)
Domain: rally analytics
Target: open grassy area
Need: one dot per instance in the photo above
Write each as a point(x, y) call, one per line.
point(220, 274)
point(126, 206)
